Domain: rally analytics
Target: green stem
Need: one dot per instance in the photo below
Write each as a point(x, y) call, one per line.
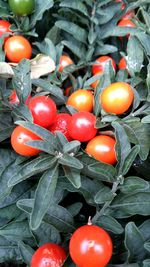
point(107, 204)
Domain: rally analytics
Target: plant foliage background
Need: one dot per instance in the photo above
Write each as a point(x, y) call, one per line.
point(44, 199)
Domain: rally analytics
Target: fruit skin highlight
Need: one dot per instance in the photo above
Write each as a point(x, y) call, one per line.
point(116, 98)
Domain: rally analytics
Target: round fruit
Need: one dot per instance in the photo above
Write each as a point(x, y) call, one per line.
point(101, 62)
point(64, 62)
point(82, 126)
point(4, 28)
point(13, 98)
point(90, 246)
point(61, 124)
point(22, 7)
point(19, 137)
point(126, 23)
point(82, 100)
point(17, 48)
point(129, 15)
point(48, 255)
point(43, 110)
point(102, 148)
point(122, 64)
point(117, 98)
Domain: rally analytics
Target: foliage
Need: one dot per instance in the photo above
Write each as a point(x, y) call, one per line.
point(44, 199)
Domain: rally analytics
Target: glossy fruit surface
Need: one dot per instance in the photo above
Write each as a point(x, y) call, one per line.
point(102, 148)
point(4, 28)
point(82, 100)
point(122, 64)
point(126, 23)
point(13, 98)
point(61, 124)
point(81, 126)
point(17, 48)
point(22, 7)
point(64, 62)
point(19, 137)
point(117, 98)
point(90, 246)
point(101, 62)
point(48, 255)
point(43, 110)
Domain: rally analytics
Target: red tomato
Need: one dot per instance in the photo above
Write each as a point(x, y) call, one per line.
point(100, 66)
point(102, 148)
point(90, 246)
point(82, 100)
point(61, 124)
point(129, 15)
point(48, 255)
point(19, 137)
point(13, 98)
point(81, 126)
point(43, 110)
point(126, 23)
point(17, 48)
point(117, 98)
point(4, 28)
point(67, 91)
point(64, 62)
point(122, 64)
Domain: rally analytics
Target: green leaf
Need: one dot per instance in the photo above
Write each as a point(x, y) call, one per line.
point(60, 218)
point(147, 246)
point(144, 229)
point(134, 243)
point(43, 196)
point(46, 233)
point(73, 175)
point(26, 252)
point(110, 224)
point(47, 47)
point(8, 251)
point(145, 41)
point(146, 263)
point(52, 89)
point(22, 112)
point(70, 161)
point(138, 133)
point(72, 147)
point(135, 60)
point(75, 208)
point(16, 231)
point(136, 203)
point(76, 47)
point(76, 5)
point(102, 172)
point(103, 195)
point(130, 159)
point(21, 80)
point(77, 32)
point(123, 147)
point(133, 184)
point(29, 169)
point(41, 7)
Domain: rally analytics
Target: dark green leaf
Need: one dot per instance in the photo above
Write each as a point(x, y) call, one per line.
point(134, 243)
point(133, 184)
point(26, 252)
point(43, 196)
